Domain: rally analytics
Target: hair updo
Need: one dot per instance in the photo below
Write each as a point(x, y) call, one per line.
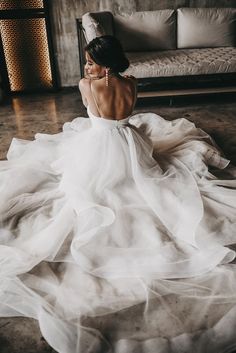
point(107, 51)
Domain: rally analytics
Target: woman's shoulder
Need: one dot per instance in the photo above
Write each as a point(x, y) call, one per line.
point(84, 82)
point(90, 83)
point(131, 81)
point(87, 84)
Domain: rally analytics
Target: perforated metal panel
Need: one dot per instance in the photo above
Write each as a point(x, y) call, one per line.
point(26, 53)
point(26, 45)
point(20, 4)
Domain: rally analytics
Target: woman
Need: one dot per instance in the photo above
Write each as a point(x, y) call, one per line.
point(105, 88)
point(114, 233)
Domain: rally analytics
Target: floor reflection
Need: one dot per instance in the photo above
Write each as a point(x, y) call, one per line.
point(46, 112)
point(26, 115)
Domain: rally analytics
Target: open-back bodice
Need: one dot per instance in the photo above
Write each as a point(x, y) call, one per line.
point(106, 122)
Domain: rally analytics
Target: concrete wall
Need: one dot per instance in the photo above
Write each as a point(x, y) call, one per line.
point(64, 13)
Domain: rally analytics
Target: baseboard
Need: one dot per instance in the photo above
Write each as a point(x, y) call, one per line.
point(187, 92)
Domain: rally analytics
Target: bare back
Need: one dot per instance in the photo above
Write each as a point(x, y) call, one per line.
point(115, 101)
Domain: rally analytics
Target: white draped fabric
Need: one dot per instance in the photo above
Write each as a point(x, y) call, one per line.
point(117, 237)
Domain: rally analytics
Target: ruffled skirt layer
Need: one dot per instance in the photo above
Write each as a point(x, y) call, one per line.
point(119, 238)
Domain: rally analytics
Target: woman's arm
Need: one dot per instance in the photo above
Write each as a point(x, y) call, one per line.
point(135, 85)
point(83, 84)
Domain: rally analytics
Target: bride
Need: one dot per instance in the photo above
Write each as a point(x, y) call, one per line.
point(115, 234)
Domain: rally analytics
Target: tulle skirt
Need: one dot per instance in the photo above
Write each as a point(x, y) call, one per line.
point(118, 237)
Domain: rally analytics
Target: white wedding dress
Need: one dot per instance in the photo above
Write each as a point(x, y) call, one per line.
point(116, 237)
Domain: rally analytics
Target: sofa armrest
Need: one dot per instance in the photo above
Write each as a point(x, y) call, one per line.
point(97, 24)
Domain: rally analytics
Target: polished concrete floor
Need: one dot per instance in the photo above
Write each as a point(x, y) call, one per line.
point(23, 116)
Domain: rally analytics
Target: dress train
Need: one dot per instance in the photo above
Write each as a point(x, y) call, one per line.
point(117, 236)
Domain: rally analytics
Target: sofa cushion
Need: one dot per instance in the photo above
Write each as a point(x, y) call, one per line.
point(146, 30)
point(97, 24)
point(206, 27)
point(182, 62)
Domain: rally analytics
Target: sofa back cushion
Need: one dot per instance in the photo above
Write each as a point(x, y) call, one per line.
point(206, 27)
point(97, 24)
point(146, 30)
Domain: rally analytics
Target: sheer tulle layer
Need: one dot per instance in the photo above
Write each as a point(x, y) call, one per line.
point(114, 222)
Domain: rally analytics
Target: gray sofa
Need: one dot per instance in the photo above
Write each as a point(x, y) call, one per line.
point(188, 50)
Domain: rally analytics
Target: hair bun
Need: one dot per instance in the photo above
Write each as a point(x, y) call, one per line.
point(121, 65)
point(107, 51)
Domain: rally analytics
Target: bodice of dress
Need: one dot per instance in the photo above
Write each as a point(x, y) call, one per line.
point(101, 122)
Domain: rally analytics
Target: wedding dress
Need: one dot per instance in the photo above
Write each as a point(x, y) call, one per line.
point(118, 237)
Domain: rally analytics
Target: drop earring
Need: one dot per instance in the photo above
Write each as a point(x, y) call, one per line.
point(107, 77)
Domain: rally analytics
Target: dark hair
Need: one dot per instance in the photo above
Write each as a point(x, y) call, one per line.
point(107, 51)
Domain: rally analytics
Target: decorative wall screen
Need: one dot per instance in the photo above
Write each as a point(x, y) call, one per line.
point(25, 45)
point(20, 4)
